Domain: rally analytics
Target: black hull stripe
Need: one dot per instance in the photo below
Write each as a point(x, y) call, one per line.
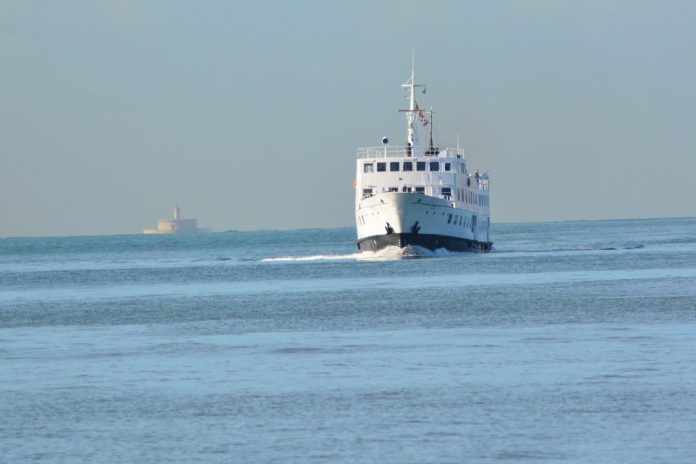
point(429, 241)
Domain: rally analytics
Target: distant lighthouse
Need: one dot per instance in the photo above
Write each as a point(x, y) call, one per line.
point(176, 225)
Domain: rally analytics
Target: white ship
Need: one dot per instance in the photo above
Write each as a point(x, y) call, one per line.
point(420, 195)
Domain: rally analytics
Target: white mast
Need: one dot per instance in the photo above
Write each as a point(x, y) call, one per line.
point(411, 112)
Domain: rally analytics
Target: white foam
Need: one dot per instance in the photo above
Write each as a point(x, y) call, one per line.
point(417, 251)
point(388, 253)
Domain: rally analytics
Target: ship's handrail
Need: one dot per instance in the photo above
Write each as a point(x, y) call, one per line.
point(397, 152)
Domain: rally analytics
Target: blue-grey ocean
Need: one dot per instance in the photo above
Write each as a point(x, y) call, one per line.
point(571, 342)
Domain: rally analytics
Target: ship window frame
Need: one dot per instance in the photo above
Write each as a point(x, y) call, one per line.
point(448, 166)
point(368, 168)
point(446, 192)
point(449, 219)
point(410, 166)
point(392, 189)
point(420, 166)
point(394, 164)
point(420, 190)
point(381, 167)
point(434, 163)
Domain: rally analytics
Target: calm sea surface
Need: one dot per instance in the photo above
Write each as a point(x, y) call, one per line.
point(572, 342)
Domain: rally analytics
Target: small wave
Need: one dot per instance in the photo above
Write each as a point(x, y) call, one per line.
point(308, 350)
point(569, 249)
point(209, 258)
point(536, 250)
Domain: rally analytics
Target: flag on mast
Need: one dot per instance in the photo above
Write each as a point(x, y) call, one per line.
point(421, 115)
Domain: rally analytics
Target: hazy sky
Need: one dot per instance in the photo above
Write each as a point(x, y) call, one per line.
point(248, 113)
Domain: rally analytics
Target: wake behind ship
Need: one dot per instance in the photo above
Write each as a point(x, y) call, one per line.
point(420, 195)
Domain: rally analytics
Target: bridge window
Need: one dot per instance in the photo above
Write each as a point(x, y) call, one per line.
point(448, 166)
point(446, 192)
point(394, 166)
point(408, 166)
point(381, 167)
point(420, 190)
point(368, 167)
point(393, 189)
point(434, 165)
point(420, 166)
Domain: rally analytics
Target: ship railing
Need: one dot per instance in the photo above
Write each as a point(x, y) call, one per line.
point(402, 152)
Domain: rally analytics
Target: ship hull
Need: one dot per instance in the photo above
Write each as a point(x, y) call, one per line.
point(409, 219)
point(428, 241)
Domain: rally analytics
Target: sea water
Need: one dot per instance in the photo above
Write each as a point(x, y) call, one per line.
point(571, 342)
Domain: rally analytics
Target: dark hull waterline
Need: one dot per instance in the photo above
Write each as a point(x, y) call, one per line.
point(429, 241)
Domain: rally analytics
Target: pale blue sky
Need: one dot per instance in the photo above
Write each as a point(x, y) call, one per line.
point(248, 113)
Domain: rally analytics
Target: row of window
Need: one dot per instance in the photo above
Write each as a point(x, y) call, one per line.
point(407, 166)
point(462, 220)
point(473, 198)
point(368, 192)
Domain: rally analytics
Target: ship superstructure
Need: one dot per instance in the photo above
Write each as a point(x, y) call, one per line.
point(417, 195)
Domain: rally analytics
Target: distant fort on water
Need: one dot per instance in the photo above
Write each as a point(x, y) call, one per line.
point(176, 225)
